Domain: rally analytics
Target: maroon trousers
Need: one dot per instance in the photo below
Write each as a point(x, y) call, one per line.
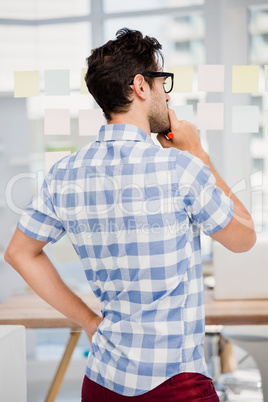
point(185, 387)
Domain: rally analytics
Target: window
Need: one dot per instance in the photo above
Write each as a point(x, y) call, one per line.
point(258, 55)
point(112, 6)
point(39, 9)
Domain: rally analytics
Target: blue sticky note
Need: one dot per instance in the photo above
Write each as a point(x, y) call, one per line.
point(184, 112)
point(57, 82)
point(245, 119)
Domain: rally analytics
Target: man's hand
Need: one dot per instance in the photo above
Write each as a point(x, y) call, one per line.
point(27, 257)
point(239, 234)
point(92, 324)
point(186, 136)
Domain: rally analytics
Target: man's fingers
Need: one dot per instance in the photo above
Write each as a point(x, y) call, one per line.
point(174, 127)
point(163, 141)
point(172, 118)
point(172, 113)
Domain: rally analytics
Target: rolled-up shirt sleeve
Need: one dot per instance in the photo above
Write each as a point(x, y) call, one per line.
point(39, 219)
point(207, 205)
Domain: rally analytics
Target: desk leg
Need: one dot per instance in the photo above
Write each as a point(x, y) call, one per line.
point(58, 378)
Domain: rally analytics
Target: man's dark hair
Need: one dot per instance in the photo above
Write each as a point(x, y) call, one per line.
point(112, 66)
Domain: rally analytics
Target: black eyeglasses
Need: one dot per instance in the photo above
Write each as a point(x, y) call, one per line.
point(168, 83)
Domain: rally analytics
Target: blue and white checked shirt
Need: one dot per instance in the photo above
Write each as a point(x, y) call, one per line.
point(134, 212)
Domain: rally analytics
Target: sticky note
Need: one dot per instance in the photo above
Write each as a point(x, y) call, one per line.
point(183, 78)
point(57, 122)
point(26, 83)
point(57, 82)
point(210, 78)
point(52, 157)
point(245, 79)
point(266, 78)
point(245, 119)
point(83, 87)
point(90, 121)
point(266, 122)
point(210, 116)
point(184, 112)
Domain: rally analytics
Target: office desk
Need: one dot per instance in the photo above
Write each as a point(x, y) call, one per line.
point(235, 312)
point(32, 312)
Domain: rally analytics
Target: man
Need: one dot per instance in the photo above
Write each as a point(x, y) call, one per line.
point(134, 211)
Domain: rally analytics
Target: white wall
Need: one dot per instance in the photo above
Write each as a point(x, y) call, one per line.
point(12, 364)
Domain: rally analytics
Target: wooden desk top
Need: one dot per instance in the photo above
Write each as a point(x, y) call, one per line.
point(235, 312)
point(32, 312)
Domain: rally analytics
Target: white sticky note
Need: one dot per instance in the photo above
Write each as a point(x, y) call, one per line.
point(57, 82)
point(90, 121)
point(266, 123)
point(210, 78)
point(183, 78)
point(57, 122)
point(210, 116)
point(83, 87)
point(266, 77)
point(52, 157)
point(184, 112)
point(245, 119)
point(245, 79)
point(26, 83)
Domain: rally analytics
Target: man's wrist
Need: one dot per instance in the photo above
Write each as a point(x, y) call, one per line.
point(201, 154)
point(91, 323)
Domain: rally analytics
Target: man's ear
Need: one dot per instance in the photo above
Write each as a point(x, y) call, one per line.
point(140, 86)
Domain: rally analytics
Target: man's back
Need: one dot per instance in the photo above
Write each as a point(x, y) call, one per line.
point(124, 202)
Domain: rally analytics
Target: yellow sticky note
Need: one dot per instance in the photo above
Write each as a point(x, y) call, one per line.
point(245, 79)
point(266, 77)
point(83, 87)
point(266, 123)
point(26, 83)
point(183, 78)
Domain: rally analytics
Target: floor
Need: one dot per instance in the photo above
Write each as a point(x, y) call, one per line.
point(241, 385)
point(69, 392)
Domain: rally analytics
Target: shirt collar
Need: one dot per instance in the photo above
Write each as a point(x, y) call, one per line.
point(125, 132)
